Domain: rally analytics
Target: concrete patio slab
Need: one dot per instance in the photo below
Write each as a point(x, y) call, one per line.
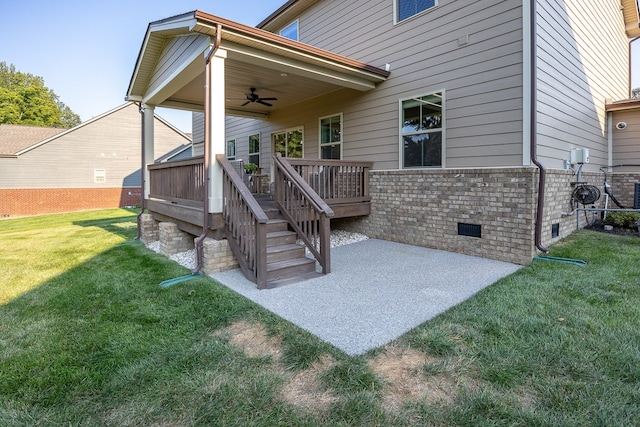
point(377, 291)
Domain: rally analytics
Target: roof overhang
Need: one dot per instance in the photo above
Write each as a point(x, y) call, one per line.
point(631, 13)
point(623, 105)
point(169, 71)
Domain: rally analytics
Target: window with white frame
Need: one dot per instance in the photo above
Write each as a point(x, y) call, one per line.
point(231, 149)
point(290, 31)
point(289, 143)
point(254, 149)
point(421, 131)
point(99, 176)
point(408, 8)
point(331, 137)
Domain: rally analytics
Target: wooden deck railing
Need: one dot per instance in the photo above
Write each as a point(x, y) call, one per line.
point(246, 224)
point(180, 181)
point(336, 181)
point(305, 211)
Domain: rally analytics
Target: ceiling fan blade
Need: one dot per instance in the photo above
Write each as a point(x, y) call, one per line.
point(268, 99)
point(260, 101)
point(245, 103)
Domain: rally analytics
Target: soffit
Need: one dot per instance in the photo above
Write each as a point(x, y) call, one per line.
point(275, 66)
point(631, 15)
point(285, 14)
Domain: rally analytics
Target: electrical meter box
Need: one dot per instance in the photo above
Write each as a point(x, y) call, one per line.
point(579, 155)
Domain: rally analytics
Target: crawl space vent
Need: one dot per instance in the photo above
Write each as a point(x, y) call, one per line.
point(471, 230)
point(555, 230)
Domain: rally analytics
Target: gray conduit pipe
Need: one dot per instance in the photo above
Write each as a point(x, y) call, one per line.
point(534, 128)
point(207, 149)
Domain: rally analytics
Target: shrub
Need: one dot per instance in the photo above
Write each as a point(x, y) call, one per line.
point(622, 219)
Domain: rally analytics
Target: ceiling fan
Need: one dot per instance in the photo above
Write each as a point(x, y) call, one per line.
point(254, 97)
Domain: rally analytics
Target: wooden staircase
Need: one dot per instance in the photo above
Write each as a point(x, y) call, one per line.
point(286, 260)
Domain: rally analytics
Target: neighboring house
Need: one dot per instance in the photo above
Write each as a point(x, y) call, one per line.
point(468, 110)
point(94, 165)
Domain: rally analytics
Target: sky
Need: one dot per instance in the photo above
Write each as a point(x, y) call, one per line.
point(86, 50)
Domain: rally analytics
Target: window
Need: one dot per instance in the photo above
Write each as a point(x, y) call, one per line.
point(331, 137)
point(408, 8)
point(288, 143)
point(290, 31)
point(421, 131)
point(254, 149)
point(99, 176)
point(231, 149)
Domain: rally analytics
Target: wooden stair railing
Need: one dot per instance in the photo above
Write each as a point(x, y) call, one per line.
point(305, 211)
point(246, 224)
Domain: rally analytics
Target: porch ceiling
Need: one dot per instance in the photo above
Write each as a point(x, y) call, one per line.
point(277, 67)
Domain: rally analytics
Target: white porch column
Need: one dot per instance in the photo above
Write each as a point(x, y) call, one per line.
point(148, 146)
point(214, 120)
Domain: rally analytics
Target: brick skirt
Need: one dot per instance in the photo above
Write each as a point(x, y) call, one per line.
point(16, 202)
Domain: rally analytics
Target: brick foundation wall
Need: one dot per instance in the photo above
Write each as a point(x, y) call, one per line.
point(559, 208)
point(40, 201)
point(622, 187)
point(424, 207)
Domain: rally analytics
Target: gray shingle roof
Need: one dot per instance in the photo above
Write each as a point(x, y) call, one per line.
point(15, 138)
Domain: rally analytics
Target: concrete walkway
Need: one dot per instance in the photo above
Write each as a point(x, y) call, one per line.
point(376, 292)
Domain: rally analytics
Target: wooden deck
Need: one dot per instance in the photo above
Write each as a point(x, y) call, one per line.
point(269, 235)
point(176, 190)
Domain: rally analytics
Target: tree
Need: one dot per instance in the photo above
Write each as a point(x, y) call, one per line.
point(635, 93)
point(25, 100)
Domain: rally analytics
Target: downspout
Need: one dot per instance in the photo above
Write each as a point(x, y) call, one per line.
point(534, 127)
point(142, 183)
point(207, 148)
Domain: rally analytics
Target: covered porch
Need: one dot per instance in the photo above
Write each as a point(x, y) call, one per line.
point(202, 63)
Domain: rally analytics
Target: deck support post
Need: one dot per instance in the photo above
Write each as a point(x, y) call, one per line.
point(148, 111)
point(215, 127)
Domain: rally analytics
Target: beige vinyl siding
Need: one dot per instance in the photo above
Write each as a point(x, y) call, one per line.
point(111, 143)
point(174, 55)
point(626, 143)
point(574, 81)
point(425, 57)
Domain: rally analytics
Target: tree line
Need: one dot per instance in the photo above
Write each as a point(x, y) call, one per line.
point(25, 100)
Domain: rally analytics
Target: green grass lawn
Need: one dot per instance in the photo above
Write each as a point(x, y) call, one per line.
point(89, 338)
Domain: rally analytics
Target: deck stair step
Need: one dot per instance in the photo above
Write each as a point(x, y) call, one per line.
point(277, 225)
point(284, 252)
point(277, 238)
point(277, 271)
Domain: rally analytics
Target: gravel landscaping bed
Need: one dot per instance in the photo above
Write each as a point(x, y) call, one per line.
point(188, 259)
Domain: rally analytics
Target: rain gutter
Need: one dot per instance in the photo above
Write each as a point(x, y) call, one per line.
point(534, 127)
point(207, 149)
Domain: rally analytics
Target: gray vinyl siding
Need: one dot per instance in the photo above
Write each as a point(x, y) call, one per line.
point(626, 143)
point(482, 80)
point(111, 143)
point(197, 126)
point(574, 80)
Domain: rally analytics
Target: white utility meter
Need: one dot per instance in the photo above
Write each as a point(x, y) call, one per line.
point(579, 155)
